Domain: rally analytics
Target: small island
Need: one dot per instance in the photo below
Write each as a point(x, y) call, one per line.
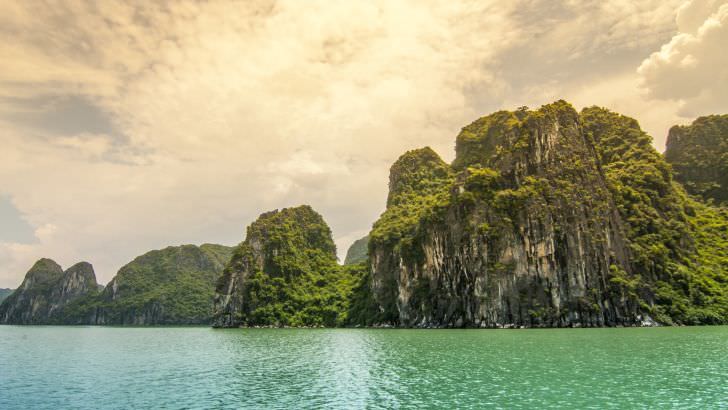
point(546, 218)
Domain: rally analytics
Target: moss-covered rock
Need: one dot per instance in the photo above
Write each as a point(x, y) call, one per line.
point(698, 154)
point(174, 285)
point(46, 291)
point(285, 273)
point(546, 218)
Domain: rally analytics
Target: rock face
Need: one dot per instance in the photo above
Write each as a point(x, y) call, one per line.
point(545, 218)
point(284, 274)
point(46, 291)
point(699, 155)
point(174, 285)
point(357, 252)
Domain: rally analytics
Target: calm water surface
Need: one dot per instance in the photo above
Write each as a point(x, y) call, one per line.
point(106, 367)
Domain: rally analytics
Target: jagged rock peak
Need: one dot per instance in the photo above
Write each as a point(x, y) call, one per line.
point(498, 138)
point(416, 172)
point(300, 226)
point(77, 280)
point(45, 291)
point(82, 270)
point(43, 271)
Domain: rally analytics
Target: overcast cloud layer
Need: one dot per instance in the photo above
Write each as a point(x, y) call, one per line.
point(126, 128)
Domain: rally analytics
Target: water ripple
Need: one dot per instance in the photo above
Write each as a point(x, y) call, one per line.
point(198, 368)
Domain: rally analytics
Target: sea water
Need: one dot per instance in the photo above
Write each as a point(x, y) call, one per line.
point(46, 367)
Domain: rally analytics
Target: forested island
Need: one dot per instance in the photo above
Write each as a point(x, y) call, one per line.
point(545, 218)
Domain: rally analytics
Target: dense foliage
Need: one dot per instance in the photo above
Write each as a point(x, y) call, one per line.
point(674, 265)
point(677, 244)
point(174, 285)
point(45, 290)
point(550, 184)
point(419, 183)
point(286, 274)
point(699, 155)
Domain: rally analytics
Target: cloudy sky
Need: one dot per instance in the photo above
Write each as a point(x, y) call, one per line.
point(131, 127)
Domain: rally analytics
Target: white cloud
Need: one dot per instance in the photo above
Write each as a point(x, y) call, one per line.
point(692, 68)
point(221, 111)
point(228, 110)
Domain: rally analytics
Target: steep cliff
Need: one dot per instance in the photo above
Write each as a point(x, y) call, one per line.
point(678, 245)
point(46, 291)
point(284, 274)
point(357, 252)
point(699, 155)
point(545, 218)
point(174, 285)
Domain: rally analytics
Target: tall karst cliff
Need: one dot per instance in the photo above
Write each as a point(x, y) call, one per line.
point(545, 218)
point(46, 291)
point(699, 155)
point(285, 274)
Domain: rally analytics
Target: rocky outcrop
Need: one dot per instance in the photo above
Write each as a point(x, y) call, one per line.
point(357, 252)
point(284, 274)
point(545, 218)
point(174, 285)
point(46, 291)
point(525, 234)
point(698, 154)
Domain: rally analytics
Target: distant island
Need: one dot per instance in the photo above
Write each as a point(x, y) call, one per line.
point(546, 218)
point(4, 293)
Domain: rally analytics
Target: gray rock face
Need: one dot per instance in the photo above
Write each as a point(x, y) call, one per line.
point(45, 291)
point(77, 281)
point(527, 235)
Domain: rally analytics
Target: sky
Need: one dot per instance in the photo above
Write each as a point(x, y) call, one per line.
point(127, 127)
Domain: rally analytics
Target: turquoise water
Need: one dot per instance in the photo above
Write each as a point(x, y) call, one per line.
point(107, 367)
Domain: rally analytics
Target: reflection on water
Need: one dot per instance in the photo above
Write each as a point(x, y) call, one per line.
point(97, 367)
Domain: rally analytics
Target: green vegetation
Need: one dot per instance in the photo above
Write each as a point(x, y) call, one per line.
point(285, 273)
point(419, 184)
point(45, 291)
point(591, 176)
point(482, 141)
point(29, 304)
point(41, 278)
point(358, 252)
point(699, 155)
point(547, 218)
point(174, 285)
point(677, 245)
